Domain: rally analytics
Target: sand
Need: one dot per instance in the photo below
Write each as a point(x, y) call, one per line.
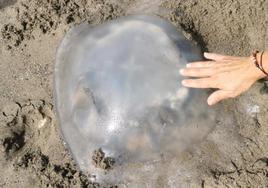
point(32, 152)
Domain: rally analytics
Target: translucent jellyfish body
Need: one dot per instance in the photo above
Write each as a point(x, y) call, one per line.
point(119, 99)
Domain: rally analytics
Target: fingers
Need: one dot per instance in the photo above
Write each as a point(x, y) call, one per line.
point(199, 83)
point(197, 72)
point(219, 95)
point(219, 57)
point(216, 59)
point(200, 64)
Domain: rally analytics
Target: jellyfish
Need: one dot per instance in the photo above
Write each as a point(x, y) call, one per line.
point(121, 106)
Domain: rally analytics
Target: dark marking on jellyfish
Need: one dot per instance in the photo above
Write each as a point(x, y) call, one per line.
point(99, 160)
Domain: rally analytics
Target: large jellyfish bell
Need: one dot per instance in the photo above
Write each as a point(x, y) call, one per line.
point(119, 99)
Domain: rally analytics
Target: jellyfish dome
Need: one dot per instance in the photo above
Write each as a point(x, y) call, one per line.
point(119, 99)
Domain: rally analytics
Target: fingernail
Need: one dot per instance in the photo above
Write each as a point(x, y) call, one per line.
point(183, 82)
point(210, 102)
point(188, 65)
point(181, 71)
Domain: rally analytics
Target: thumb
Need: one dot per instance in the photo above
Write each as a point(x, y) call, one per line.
point(217, 96)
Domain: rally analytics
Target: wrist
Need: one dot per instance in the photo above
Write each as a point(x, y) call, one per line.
point(255, 73)
point(262, 59)
point(259, 65)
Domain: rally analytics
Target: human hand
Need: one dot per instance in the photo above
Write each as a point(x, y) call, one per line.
point(229, 74)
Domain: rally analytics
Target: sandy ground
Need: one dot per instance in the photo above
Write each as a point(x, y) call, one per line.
point(32, 153)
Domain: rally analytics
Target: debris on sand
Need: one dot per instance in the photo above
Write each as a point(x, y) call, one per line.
point(99, 160)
